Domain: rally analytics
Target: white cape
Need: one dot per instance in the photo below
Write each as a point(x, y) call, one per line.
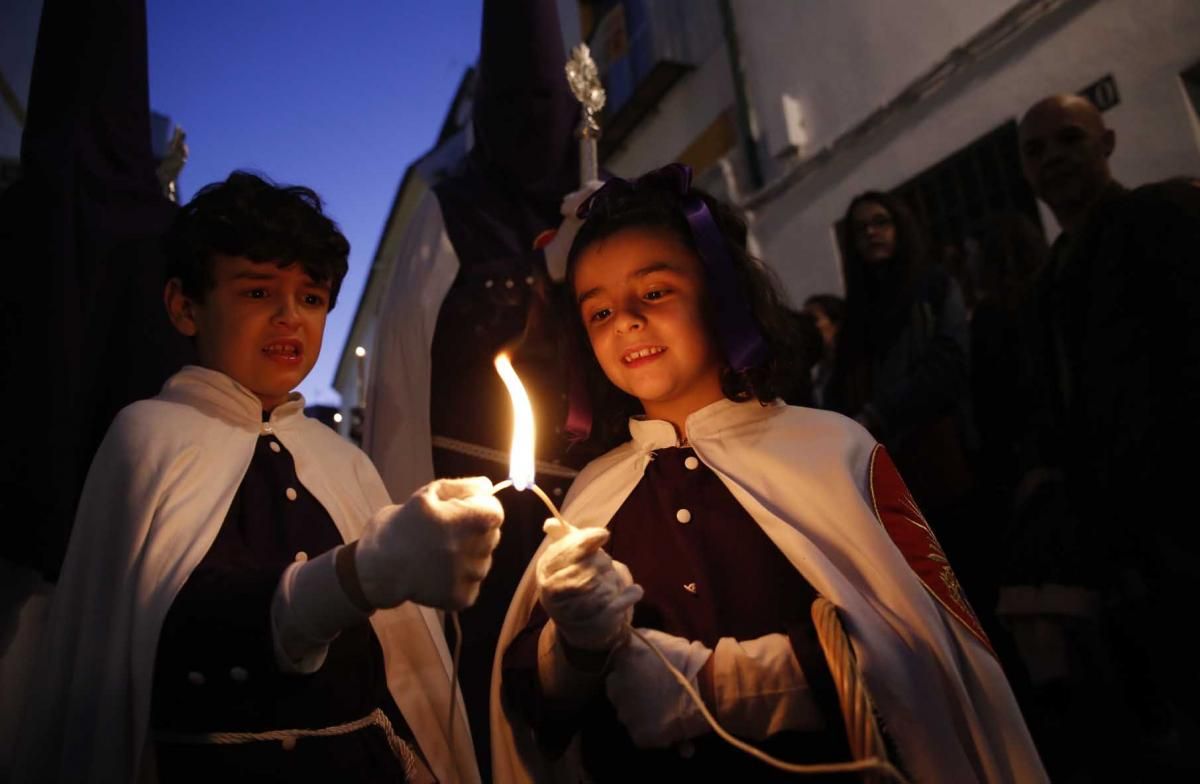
point(397, 434)
point(802, 475)
point(156, 496)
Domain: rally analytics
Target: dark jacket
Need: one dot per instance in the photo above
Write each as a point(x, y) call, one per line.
point(1117, 352)
point(911, 376)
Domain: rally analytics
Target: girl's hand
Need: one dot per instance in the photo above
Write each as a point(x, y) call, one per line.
point(587, 594)
point(654, 708)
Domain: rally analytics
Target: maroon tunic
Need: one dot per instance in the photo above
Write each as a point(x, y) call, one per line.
point(708, 571)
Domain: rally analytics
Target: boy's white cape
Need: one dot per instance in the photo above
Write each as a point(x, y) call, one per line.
point(802, 474)
point(156, 495)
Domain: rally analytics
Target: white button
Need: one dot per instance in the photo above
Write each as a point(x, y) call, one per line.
point(238, 674)
point(487, 284)
point(691, 463)
point(301, 556)
point(558, 491)
point(195, 678)
point(275, 446)
point(508, 284)
point(683, 516)
point(291, 493)
point(288, 743)
point(528, 280)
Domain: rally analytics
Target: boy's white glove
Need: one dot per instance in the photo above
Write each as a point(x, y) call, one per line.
point(434, 550)
point(587, 594)
point(310, 609)
point(557, 249)
point(654, 708)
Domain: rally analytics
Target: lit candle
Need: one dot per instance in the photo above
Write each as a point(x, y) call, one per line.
point(521, 458)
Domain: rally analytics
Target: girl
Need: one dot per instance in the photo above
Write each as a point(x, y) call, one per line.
point(733, 512)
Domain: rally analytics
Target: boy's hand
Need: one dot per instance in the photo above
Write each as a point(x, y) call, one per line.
point(587, 594)
point(434, 550)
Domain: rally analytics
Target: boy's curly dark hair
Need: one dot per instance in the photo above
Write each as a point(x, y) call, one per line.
point(249, 216)
point(656, 206)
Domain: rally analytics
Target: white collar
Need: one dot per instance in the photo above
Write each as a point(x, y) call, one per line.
point(651, 434)
point(216, 393)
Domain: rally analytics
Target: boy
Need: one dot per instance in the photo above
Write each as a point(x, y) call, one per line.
point(211, 621)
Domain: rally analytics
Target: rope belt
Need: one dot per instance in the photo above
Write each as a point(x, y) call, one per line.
point(496, 456)
point(287, 738)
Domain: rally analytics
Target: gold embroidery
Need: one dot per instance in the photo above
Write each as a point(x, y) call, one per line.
point(936, 553)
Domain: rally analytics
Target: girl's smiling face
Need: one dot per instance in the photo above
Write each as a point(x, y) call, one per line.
point(641, 294)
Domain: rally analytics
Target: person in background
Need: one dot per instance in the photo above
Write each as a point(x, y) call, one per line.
point(1102, 557)
point(828, 312)
point(901, 371)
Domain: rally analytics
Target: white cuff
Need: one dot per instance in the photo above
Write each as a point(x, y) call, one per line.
point(308, 611)
point(759, 688)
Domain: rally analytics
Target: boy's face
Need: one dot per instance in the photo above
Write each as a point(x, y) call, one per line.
point(641, 297)
point(259, 324)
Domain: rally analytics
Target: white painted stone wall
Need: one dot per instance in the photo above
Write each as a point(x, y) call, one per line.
point(1143, 45)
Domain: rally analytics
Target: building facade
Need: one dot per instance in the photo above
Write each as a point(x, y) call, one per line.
point(789, 109)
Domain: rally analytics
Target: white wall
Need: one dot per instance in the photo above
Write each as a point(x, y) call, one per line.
point(840, 59)
point(1143, 45)
point(695, 101)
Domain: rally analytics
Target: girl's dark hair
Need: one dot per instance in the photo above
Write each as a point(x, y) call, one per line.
point(654, 206)
point(876, 296)
point(833, 306)
point(249, 216)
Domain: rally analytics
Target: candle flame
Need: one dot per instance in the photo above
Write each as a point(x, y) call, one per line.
point(520, 465)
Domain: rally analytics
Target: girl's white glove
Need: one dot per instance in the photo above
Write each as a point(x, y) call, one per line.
point(557, 249)
point(654, 708)
point(758, 689)
point(587, 594)
point(434, 550)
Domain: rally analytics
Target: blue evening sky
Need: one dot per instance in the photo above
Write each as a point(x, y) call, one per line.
point(338, 96)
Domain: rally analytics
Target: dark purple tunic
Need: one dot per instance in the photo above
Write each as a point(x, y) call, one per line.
point(216, 671)
point(709, 572)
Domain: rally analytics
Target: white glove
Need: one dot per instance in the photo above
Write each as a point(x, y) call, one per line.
point(759, 688)
point(654, 708)
point(587, 594)
point(309, 609)
point(557, 249)
point(434, 550)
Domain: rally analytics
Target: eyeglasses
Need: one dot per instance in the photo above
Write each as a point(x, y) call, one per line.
point(877, 222)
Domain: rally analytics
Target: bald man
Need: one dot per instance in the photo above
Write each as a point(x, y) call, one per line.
point(1065, 149)
point(1112, 547)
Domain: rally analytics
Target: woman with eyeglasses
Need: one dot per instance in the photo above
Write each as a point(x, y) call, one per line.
point(901, 370)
